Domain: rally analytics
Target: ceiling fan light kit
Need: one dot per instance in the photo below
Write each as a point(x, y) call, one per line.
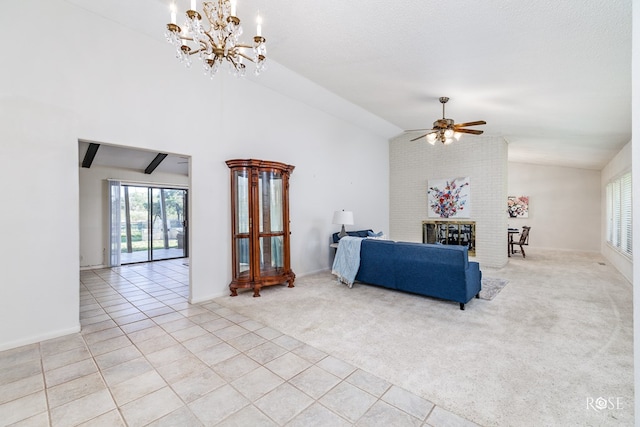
point(446, 131)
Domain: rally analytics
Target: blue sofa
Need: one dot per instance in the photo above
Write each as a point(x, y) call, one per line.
point(440, 271)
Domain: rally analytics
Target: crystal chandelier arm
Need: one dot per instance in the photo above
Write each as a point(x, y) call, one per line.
point(245, 56)
point(235, 63)
point(202, 47)
point(211, 40)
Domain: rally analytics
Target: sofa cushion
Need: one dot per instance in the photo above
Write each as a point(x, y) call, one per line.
point(431, 270)
point(441, 254)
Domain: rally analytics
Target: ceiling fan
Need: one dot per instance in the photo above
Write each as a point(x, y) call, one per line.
point(445, 130)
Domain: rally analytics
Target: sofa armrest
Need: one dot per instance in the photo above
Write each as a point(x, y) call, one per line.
point(359, 233)
point(473, 279)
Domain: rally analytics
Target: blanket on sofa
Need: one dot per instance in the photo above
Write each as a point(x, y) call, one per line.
point(347, 260)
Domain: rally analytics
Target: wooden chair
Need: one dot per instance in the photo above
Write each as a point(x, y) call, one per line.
point(523, 241)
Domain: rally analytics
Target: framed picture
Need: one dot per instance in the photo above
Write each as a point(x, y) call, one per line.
point(449, 198)
point(518, 207)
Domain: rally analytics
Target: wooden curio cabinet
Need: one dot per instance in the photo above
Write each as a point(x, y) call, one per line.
point(259, 224)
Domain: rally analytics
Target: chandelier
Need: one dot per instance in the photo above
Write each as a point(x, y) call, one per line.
point(218, 44)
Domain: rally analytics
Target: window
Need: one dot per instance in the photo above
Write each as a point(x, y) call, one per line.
point(619, 218)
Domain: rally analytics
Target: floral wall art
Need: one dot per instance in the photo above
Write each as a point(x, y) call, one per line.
point(449, 198)
point(518, 207)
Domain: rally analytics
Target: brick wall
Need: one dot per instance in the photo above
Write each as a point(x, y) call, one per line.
point(482, 159)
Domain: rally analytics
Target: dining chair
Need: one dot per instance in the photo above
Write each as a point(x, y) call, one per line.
point(523, 241)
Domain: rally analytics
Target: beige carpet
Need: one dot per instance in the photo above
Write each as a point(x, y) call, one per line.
point(558, 337)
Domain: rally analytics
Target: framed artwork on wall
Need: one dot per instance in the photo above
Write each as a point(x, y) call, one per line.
point(449, 198)
point(518, 206)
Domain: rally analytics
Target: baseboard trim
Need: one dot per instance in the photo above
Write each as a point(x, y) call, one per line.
point(38, 338)
point(93, 267)
point(311, 273)
point(208, 298)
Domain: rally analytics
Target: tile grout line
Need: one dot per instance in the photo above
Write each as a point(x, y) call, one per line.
point(98, 366)
point(44, 385)
point(117, 407)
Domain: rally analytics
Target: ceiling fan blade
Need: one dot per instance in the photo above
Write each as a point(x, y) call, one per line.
point(462, 125)
point(471, 131)
point(422, 136)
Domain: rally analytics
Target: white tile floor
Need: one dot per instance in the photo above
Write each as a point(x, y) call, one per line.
point(145, 356)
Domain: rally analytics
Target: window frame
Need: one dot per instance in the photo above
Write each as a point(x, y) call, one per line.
point(619, 214)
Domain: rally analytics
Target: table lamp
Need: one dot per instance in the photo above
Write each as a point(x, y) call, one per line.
point(343, 217)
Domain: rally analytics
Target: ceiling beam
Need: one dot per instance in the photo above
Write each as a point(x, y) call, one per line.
point(155, 162)
point(90, 155)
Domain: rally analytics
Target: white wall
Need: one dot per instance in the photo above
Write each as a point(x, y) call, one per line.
point(39, 295)
point(97, 80)
point(635, 176)
point(94, 206)
point(482, 159)
point(620, 164)
point(564, 205)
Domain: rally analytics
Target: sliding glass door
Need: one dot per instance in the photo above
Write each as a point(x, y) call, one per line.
point(167, 223)
point(153, 223)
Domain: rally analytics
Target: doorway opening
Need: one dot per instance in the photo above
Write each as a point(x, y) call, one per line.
point(151, 192)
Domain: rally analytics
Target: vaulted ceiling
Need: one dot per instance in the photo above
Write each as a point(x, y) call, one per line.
point(551, 77)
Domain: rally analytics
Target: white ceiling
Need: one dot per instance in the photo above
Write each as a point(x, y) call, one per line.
point(551, 77)
point(134, 159)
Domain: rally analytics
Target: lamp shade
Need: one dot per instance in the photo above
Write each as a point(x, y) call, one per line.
point(343, 217)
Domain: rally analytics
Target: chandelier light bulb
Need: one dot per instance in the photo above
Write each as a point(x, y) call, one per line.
point(193, 4)
point(259, 26)
point(448, 141)
point(233, 8)
point(448, 133)
point(431, 138)
point(457, 136)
